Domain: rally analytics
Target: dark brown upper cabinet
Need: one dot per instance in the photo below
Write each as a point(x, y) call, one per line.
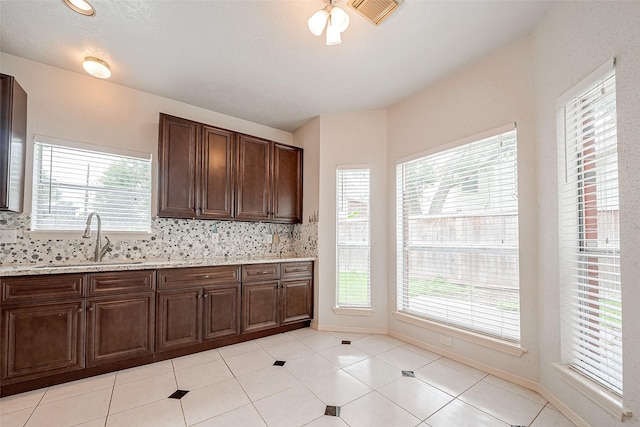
point(269, 181)
point(196, 168)
point(211, 173)
point(13, 137)
point(287, 184)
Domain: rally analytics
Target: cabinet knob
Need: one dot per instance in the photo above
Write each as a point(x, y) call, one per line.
point(79, 310)
point(205, 295)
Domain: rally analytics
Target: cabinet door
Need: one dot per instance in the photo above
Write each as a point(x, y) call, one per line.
point(43, 339)
point(119, 328)
point(177, 160)
point(13, 140)
point(297, 300)
point(259, 306)
point(287, 184)
point(217, 189)
point(178, 318)
point(253, 191)
point(221, 314)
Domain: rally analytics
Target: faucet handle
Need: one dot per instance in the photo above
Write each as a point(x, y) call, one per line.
point(104, 249)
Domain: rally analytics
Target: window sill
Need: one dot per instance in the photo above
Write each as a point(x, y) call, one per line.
point(351, 311)
point(462, 334)
point(70, 235)
point(592, 391)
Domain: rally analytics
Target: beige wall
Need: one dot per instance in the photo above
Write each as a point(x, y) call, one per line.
point(79, 107)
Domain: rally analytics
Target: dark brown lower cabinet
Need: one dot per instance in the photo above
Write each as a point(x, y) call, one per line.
point(260, 305)
point(119, 328)
point(284, 296)
point(296, 298)
point(61, 327)
point(178, 318)
point(221, 316)
point(42, 339)
point(188, 315)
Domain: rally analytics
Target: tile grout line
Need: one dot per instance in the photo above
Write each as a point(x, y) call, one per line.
point(113, 387)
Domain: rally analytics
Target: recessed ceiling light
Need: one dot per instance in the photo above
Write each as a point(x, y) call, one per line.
point(96, 67)
point(81, 6)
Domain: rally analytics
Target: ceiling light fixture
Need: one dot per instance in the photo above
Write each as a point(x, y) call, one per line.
point(81, 6)
point(335, 19)
point(96, 67)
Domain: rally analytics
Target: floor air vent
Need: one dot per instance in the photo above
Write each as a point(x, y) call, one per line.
point(375, 11)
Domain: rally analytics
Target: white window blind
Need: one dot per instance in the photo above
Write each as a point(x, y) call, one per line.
point(352, 238)
point(69, 183)
point(590, 234)
point(457, 236)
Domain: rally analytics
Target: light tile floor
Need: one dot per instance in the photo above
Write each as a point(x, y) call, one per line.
point(239, 386)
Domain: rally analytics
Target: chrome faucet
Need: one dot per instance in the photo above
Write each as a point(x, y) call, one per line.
point(100, 251)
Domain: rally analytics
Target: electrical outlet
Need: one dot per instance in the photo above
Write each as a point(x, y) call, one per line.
point(215, 238)
point(445, 340)
point(268, 238)
point(8, 236)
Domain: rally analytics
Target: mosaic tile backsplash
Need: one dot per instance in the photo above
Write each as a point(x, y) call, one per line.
point(169, 239)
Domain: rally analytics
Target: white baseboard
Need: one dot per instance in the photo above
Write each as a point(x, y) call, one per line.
point(560, 406)
point(330, 328)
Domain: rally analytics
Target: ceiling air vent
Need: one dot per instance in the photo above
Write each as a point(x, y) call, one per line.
point(375, 11)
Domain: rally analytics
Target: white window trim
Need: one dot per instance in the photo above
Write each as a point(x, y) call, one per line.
point(352, 310)
point(495, 343)
point(91, 147)
point(602, 397)
point(458, 142)
point(607, 400)
point(512, 349)
point(70, 235)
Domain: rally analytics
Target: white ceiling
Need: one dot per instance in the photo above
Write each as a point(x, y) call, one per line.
point(257, 60)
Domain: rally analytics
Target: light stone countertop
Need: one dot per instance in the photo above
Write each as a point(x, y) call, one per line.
point(148, 264)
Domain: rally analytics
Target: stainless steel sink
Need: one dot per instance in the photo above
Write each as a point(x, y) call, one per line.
point(88, 264)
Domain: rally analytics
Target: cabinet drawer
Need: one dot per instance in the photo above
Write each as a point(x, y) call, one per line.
point(190, 277)
point(120, 282)
point(297, 269)
point(259, 272)
point(42, 288)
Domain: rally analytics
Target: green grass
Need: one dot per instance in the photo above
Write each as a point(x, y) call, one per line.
point(612, 307)
point(437, 287)
point(357, 285)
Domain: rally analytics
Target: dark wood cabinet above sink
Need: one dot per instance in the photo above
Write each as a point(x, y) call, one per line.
point(211, 173)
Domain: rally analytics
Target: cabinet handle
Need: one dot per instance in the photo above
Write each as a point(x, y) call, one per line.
point(205, 277)
point(296, 270)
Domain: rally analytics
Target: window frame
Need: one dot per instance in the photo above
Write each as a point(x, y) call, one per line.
point(126, 234)
point(343, 307)
point(506, 345)
point(580, 251)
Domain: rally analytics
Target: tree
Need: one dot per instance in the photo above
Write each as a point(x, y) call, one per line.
point(125, 183)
